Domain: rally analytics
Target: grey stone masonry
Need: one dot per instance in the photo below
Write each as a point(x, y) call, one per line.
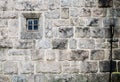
point(59, 40)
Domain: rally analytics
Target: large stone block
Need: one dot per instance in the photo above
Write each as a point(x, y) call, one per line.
point(65, 3)
point(97, 12)
point(90, 3)
point(38, 54)
point(88, 67)
point(10, 67)
point(116, 55)
point(115, 77)
point(19, 78)
point(93, 22)
point(85, 12)
point(117, 3)
point(4, 78)
point(105, 4)
point(53, 14)
point(26, 67)
point(61, 22)
point(48, 67)
point(79, 55)
point(103, 77)
point(50, 55)
point(65, 13)
point(74, 12)
point(97, 55)
point(86, 44)
point(97, 32)
point(72, 43)
point(43, 44)
point(105, 66)
point(82, 32)
point(60, 43)
point(66, 32)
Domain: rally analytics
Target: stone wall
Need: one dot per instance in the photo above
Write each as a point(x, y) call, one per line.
point(72, 46)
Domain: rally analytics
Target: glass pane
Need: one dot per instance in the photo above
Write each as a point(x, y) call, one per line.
point(36, 21)
point(36, 27)
point(29, 21)
point(29, 27)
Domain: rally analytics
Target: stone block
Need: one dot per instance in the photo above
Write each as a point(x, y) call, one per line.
point(97, 55)
point(3, 23)
point(65, 13)
point(6, 43)
point(65, 3)
point(48, 67)
point(4, 78)
point(10, 67)
point(19, 78)
point(86, 44)
point(74, 12)
point(88, 67)
point(97, 32)
point(115, 77)
point(53, 14)
point(50, 55)
point(72, 43)
point(26, 67)
point(84, 12)
point(105, 4)
point(105, 66)
point(3, 5)
point(13, 28)
point(116, 55)
point(103, 77)
point(39, 78)
point(117, 3)
point(82, 32)
point(38, 54)
point(66, 32)
point(53, 4)
point(90, 3)
point(43, 44)
point(23, 44)
point(98, 12)
point(79, 55)
point(93, 22)
point(119, 66)
point(60, 43)
point(61, 22)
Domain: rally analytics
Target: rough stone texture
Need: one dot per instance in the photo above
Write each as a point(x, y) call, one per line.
point(97, 54)
point(86, 44)
point(10, 68)
point(60, 43)
point(115, 77)
point(70, 45)
point(48, 67)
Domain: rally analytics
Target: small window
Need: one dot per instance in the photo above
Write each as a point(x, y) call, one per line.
point(32, 24)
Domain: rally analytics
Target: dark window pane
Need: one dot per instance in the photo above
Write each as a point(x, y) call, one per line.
point(36, 27)
point(29, 21)
point(29, 27)
point(36, 21)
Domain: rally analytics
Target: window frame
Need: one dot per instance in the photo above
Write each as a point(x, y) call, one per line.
point(27, 24)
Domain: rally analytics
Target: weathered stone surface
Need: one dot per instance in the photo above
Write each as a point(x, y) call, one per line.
point(97, 12)
point(65, 3)
point(48, 67)
point(97, 33)
point(26, 67)
point(93, 22)
point(39, 78)
point(23, 44)
point(115, 77)
point(90, 3)
point(31, 35)
point(86, 44)
point(4, 78)
point(38, 54)
point(105, 66)
point(65, 13)
point(61, 22)
point(66, 32)
point(60, 43)
point(3, 54)
point(104, 4)
point(19, 52)
point(103, 77)
point(3, 23)
point(51, 55)
point(43, 44)
point(79, 55)
point(117, 3)
point(6, 43)
point(88, 67)
point(54, 4)
point(74, 12)
point(82, 32)
point(85, 12)
point(97, 54)
point(53, 14)
point(72, 43)
point(19, 78)
point(10, 67)
point(116, 55)
point(119, 66)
